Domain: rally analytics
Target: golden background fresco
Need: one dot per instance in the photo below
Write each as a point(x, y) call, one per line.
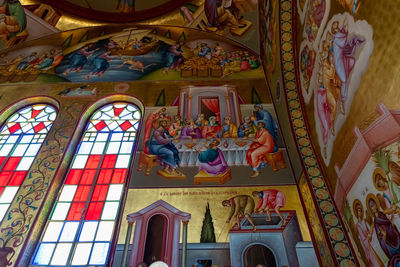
point(194, 201)
point(379, 84)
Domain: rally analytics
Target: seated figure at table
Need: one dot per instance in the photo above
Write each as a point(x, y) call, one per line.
point(263, 115)
point(212, 160)
point(211, 129)
point(247, 128)
point(162, 146)
point(201, 121)
point(151, 124)
point(263, 143)
point(176, 127)
point(190, 130)
point(228, 129)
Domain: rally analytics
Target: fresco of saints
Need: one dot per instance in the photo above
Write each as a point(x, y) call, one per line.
point(315, 15)
point(352, 5)
point(307, 62)
point(228, 129)
point(241, 205)
point(327, 95)
point(365, 235)
point(212, 161)
point(173, 57)
point(190, 130)
point(126, 6)
point(263, 143)
point(270, 200)
point(78, 59)
point(200, 121)
point(247, 128)
point(100, 64)
point(219, 15)
point(211, 129)
point(176, 127)
point(263, 115)
point(386, 199)
point(343, 53)
point(162, 146)
point(387, 234)
point(151, 124)
point(12, 19)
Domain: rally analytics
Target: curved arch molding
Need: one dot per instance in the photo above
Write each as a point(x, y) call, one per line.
point(331, 223)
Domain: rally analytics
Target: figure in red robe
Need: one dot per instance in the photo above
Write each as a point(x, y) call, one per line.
point(211, 129)
point(263, 143)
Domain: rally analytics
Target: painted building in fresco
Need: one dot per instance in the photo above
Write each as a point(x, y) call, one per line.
point(205, 133)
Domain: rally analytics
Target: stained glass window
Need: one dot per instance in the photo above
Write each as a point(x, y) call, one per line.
point(81, 225)
point(20, 140)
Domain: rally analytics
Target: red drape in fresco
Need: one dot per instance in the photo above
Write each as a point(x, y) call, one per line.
point(213, 105)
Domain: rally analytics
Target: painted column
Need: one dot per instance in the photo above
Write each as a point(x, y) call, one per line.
point(228, 103)
point(127, 241)
point(189, 106)
point(184, 242)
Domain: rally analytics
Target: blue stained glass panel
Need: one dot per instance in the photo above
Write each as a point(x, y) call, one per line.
point(99, 253)
point(44, 253)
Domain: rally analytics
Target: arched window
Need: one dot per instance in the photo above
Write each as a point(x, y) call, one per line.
point(20, 140)
point(81, 225)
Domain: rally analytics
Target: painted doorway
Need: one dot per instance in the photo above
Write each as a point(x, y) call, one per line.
point(155, 241)
point(259, 256)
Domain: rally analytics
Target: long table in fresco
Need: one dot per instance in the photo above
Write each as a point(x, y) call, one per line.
point(234, 150)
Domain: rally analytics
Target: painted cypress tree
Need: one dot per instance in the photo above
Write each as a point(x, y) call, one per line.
point(255, 98)
point(207, 231)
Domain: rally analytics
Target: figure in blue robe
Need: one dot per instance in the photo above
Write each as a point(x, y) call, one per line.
point(264, 115)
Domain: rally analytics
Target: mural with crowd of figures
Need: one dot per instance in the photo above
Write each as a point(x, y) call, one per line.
point(372, 208)
point(268, 31)
point(146, 54)
point(210, 134)
point(206, 143)
point(333, 55)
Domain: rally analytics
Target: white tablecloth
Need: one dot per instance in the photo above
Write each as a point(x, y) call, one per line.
point(234, 154)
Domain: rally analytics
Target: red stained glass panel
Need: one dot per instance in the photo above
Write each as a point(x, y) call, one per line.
point(109, 161)
point(99, 126)
point(100, 193)
point(104, 176)
point(119, 176)
point(93, 161)
point(35, 113)
point(17, 178)
point(4, 177)
point(11, 163)
point(75, 212)
point(126, 125)
point(82, 193)
point(73, 176)
point(118, 111)
point(14, 128)
point(38, 127)
point(94, 211)
point(88, 176)
point(2, 159)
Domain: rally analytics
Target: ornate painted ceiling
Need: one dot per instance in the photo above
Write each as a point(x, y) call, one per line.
point(116, 10)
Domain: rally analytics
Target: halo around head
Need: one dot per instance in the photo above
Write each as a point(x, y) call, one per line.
point(373, 197)
point(374, 175)
point(356, 203)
